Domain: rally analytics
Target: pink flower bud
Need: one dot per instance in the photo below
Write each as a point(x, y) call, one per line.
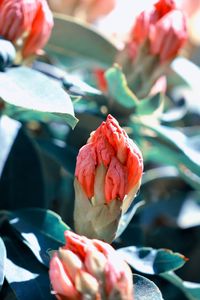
point(157, 36)
point(163, 26)
point(89, 269)
point(148, 18)
point(26, 22)
point(168, 36)
point(108, 174)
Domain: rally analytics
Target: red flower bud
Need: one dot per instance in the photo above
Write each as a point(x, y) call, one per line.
point(29, 22)
point(168, 36)
point(157, 36)
point(163, 26)
point(89, 269)
point(111, 147)
point(108, 174)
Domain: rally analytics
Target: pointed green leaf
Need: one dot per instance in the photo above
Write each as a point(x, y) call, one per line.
point(190, 289)
point(152, 261)
point(172, 144)
point(33, 91)
point(149, 105)
point(71, 37)
point(46, 221)
point(127, 217)
point(118, 88)
point(27, 278)
point(40, 230)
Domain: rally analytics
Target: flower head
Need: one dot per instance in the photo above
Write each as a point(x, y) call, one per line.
point(162, 19)
point(89, 269)
point(108, 174)
point(157, 36)
point(168, 36)
point(26, 22)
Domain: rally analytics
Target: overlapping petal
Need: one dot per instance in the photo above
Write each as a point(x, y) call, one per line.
point(89, 268)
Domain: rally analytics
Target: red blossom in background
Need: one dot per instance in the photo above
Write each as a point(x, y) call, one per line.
point(168, 36)
point(28, 21)
point(89, 269)
point(162, 25)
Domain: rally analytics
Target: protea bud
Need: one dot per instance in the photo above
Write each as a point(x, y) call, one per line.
point(27, 24)
point(107, 176)
point(156, 38)
point(89, 269)
point(88, 10)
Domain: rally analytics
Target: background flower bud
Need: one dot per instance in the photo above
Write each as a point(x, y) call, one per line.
point(157, 36)
point(168, 35)
point(89, 269)
point(27, 24)
point(108, 174)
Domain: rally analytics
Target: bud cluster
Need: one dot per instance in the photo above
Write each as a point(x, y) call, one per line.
point(89, 269)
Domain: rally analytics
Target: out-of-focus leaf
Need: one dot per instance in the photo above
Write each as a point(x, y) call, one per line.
point(189, 215)
point(174, 114)
point(127, 217)
point(178, 141)
point(26, 276)
point(2, 261)
point(65, 156)
point(175, 147)
point(31, 90)
point(187, 170)
point(45, 221)
point(188, 71)
point(190, 289)
point(71, 37)
point(145, 289)
point(160, 172)
point(72, 83)
point(152, 261)
point(40, 229)
point(22, 181)
point(118, 88)
point(8, 132)
point(149, 105)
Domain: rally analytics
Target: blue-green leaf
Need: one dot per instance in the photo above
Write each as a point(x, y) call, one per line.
point(152, 261)
point(127, 217)
point(40, 230)
point(30, 90)
point(118, 88)
point(27, 278)
point(71, 37)
point(175, 147)
point(65, 156)
point(190, 289)
point(150, 105)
